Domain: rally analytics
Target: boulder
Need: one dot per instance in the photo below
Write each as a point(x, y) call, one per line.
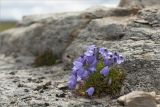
point(138, 99)
point(35, 34)
point(127, 34)
point(136, 37)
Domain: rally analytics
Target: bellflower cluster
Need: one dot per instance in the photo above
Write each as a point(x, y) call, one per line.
point(86, 65)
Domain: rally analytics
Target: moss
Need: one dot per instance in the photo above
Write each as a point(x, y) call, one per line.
point(101, 83)
point(47, 58)
point(117, 76)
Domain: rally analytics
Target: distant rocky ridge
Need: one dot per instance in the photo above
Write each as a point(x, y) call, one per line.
point(134, 32)
point(55, 31)
point(139, 3)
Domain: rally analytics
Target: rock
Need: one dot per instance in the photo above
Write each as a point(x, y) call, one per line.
point(61, 95)
point(98, 30)
point(62, 86)
point(43, 86)
point(138, 99)
point(138, 42)
point(151, 15)
point(16, 40)
point(138, 3)
point(111, 31)
point(133, 32)
point(36, 35)
point(97, 12)
point(158, 99)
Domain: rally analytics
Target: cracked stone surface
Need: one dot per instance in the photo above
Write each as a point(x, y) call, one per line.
point(25, 86)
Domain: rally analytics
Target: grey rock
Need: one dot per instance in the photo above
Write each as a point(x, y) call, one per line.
point(90, 13)
point(136, 36)
point(36, 33)
point(101, 32)
point(138, 99)
point(138, 3)
point(151, 15)
point(40, 94)
point(38, 36)
point(138, 43)
point(158, 99)
point(16, 40)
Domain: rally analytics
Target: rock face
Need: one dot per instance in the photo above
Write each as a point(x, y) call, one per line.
point(134, 33)
point(37, 33)
point(138, 3)
point(137, 37)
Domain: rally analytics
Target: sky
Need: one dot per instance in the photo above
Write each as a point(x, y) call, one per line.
point(15, 9)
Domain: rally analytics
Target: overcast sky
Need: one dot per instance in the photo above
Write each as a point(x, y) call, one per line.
point(15, 9)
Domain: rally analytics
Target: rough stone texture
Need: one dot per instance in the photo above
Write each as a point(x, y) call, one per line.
point(151, 16)
point(53, 31)
point(38, 34)
point(139, 99)
point(133, 33)
point(25, 86)
point(138, 3)
point(135, 38)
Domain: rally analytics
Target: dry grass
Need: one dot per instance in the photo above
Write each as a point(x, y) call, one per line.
point(7, 25)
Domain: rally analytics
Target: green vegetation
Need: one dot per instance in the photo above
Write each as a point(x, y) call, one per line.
point(7, 25)
point(47, 58)
point(104, 85)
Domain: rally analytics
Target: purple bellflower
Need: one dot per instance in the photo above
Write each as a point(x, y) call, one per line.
point(86, 65)
point(90, 91)
point(105, 71)
point(72, 82)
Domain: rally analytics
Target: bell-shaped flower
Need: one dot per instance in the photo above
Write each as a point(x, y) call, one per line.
point(72, 82)
point(85, 75)
point(102, 51)
point(108, 61)
point(120, 59)
point(77, 65)
point(91, 50)
point(90, 91)
point(80, 71)
point(80, 59)
point(92, 66)
point(90, 59)
point(105, 71)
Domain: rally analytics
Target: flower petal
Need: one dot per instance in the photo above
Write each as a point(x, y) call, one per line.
point(90, 91)
point(72, 82)
point(102, 51)
point(105, 71)
point(120, 59)
point(85, 75)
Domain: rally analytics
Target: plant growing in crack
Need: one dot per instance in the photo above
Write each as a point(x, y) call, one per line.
point(96, 73)
point(46, 58)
